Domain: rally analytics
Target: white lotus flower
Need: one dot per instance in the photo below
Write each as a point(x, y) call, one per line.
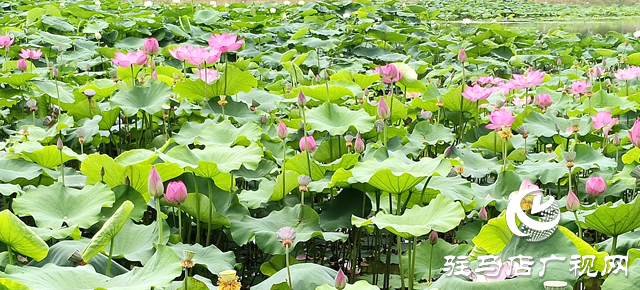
point(346, 15)
point(636, 34)
point(97, 35)
point(300, 2)
point(98, 3)
point(466, 21)
point(272, 10)
point(286, 3)
point(148, 3)
point(61, 4)
point(213, 3)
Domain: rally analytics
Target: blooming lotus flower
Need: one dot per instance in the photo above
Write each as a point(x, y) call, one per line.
point(132, 58)
point(181, 53)
point(543, 100)
point(358, 146)
point(476, 93)
point(389, 73)
point(30, 53)
point(151, 46)
point(22, 65)
point(634, 134)
point(596, 186)
point(154, 185)
point(176, 192)
point(485, 80)
point(282, 130)
point(579, 87)
point(500, 119)
point(627, 73)
point(198, 55)
point(383, 109)
point(466, 21)
point(208, 75)
point(341, 280)
point(462, 55)
point(603, 120)
point(309, 144)
point(225, 42)
point(596, 71)
point(521, 101)
point(6, 41)
point(530, 79)
point(573, 203)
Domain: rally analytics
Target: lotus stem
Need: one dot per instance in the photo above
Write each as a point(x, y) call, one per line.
point(575, 213)
point(287, 262)
point(159, 219)
point(210, 182)
point(413, 260)
point(180, 221)
point(110, 257)
point(12, 259)
point(62, 166)
point(195, 182)
point(462, 105)
point(614, 245)
point(226, 70)
point(430, 263)
point(133, 78)
point(33, 113)
point(504, 153)
point(400, 263)
point(284, 170)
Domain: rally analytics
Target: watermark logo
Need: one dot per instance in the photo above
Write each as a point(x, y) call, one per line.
point(538, 228)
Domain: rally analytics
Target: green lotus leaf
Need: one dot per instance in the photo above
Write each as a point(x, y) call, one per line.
point(299, 163)
point(211, 257)
point(474, 164)
point(55, 205)
point(218, 134)
point(60, 252)
point(303, 276)
point(615, 219)
point(18, 80)
point(321, 93)
point(237, 81)
point(214, 158)
point(149, 99)
point(425, 256)
point(108, 231)
point(395, 176)
point(538, 124)
point(161, 269)
point(303, 219)
point(190, 206)
point(125, 193)
point(337, 213)
point(136, 242)
point(601, 100)
point(621, 281)
point(427, 133)
point(398, 110)
point(364, 81)
point(276, 263)
point(337, 120)
point(15, 234)
point(585, 249)
point(12, 169)
point(47, 156)
point(453, 98)
point(494, 236)
point(61, 90)
point(291, 180)
point(441, 215)
point(60, 234)
point(7, 284)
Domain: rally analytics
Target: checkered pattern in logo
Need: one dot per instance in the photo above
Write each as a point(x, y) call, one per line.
point(546, 215)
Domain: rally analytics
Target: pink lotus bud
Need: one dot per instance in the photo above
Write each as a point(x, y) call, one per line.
point(383, 109)
point(176, 192)
point(309, 144)
point(634, 134)
point(448, 151)
point(155, 186)
point(55, 73)
point(302, 100)
point(318, 79)
point(59, 144)
point(154, 75)
point(573, 203)
point(462, 55)
point(559, 62)
point(426, 114)
point(366, 92)
point(264, 119)
point(22, 65)
point(341, 280)
point(482, 214)
point(282, 130)
point(151, 46)
point(359, 144)
point(596, 186)
point(616, 140)
point(433, 237)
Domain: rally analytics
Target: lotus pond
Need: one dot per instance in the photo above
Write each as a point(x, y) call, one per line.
point(325, 145)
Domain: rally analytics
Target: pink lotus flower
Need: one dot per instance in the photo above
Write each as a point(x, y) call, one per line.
point(198, 55)
point(603, 120)
point(383, 109)
point(208, 75)
point(154, 185)
point(485, 80)
point(132, 58)
point(579, 87)
point(151, 46)
point(6, 41)
point(530, 79)
point(389, 73)
point(596, 186)
point(526, 185)
point(518, 102)
point(500, 119)
point(309, 144)
point(543, 100)
point(476, 93)
point(181, 53)
point(22, 65)
point(282, 130)
point(573, 203)
point(634, 134)
point(30, 53)
point(358, 146)
point(505, 88)
point(225, 42)
point(176, 192)
point(596, 71)
point(627, 73)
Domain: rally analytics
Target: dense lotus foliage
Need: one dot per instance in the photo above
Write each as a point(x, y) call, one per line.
point(325, 145)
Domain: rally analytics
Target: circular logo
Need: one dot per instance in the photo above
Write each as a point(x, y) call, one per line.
point(540, 219)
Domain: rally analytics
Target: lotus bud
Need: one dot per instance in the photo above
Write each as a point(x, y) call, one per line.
point(433, 237)
point(604, 62)
point(59, 144)
point(462, 55)
point(483, 215)
point(303, 182)
point(522, 130)
point(448, 151)
point(366, 91)
point(32, 104)
point(307, 143)
point(80, 133)
point(102, 172)
point(54, 73)
point(151, 46)
point(282, 130)
point(570, 158)
point(326, 75)
point(635, 173)
point(264, 119)
point(318, 79)
point(154, 185)
point(302, 99)
point(22, 65)
point(559, 62)
point(558, 129)
point(379, 125)
point(176, 192)
point(127, 181)
point(383, 109)
point(426, 114)
point(188, 261)
point(616, 140)
point(573, 203)
point(341, 280)
point(286, 236)
point(596, 186)
point(97, 35)
point(359, 145)
point(348, 140)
